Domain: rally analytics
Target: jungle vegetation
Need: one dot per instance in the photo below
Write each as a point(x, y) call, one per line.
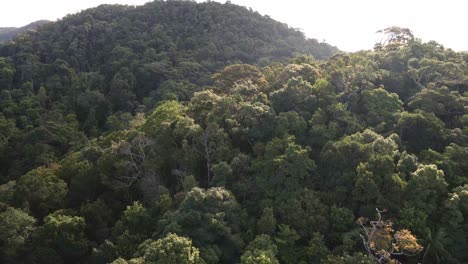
point(183, 132)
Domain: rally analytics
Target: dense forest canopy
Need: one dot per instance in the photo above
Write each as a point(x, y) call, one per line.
point(96, 69)
point(178, 132)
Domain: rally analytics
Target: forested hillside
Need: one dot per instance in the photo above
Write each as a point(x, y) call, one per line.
point(8, 33)
point(178, 132)
point(89, 73)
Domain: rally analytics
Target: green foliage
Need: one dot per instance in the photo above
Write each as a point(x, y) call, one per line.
point(259, 256)
point(159, 122)
point(267, 222)
point(316, 250)
point(134, 227)
point(60, 239)
point(8, 33)
point(98, 218)
point(366, 161)
point(309, 73)
point(109, 63)
point(172, 249)
point(378, 108)
point(286, 239)
point(147, 135)
point(211, 219)
point(80, 176)
point(41, 190)
point(16, 227)
point(452, 161)
point(189, 183)
point(347, 259)
point(260, 250)
point(454, 221)
point(421, 130)
point(239, 73)
point(444, 103)
point(303, 211)
point(296, 94)
point(426, 188)
point(284, 167)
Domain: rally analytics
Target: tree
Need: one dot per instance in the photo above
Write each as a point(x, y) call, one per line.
point(307, 72)
point(351, 74)
point(364, 160)
point(347, 259)
point(421, 130)
point(16, 227)
point(158, 124)
point(378, 108)
point(7, 72)
point(261, 250)
point(341, 221)
point(168, 130)
point(82, 178)
point(134, 227)
point(383, 243)
point(407, 163)
point(172, 249)
point(316, 249)
point(8, 129)
point(303, 211)
point(139, 159)
point(455, 165)
point(284, 167)
point(92, 109)
point(238, 73)
point(414, 219)
point(435, 247)
point(60, 239)
point(426, 189)
point(249, 122)
point(202, 105)
point(432, 70)
point(447, 243)
point(445, 104)
point(172, 90)
point(267, 222)
point(213, 145)
point(290, 123)
point(98, 217)
point(330, 124)
point(395, 37)
point(376, 183)
point(296, 94)
point(41, 190)
point(286, 239)
point(451, 161)
point(212, 219)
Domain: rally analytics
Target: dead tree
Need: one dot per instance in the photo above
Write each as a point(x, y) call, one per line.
point(382, 243)
point(207, 150)
point(139, 153)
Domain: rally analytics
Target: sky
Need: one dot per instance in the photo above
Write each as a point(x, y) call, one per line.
point(349, 25)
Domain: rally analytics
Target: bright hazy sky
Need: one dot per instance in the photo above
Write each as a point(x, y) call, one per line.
point(349, 25)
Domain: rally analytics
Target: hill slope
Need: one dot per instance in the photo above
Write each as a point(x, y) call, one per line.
point(8, 33)
point(118, 145)
point(120, 60)
point(290, 156)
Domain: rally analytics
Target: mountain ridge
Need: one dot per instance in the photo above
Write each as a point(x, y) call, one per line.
point(9, 33)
